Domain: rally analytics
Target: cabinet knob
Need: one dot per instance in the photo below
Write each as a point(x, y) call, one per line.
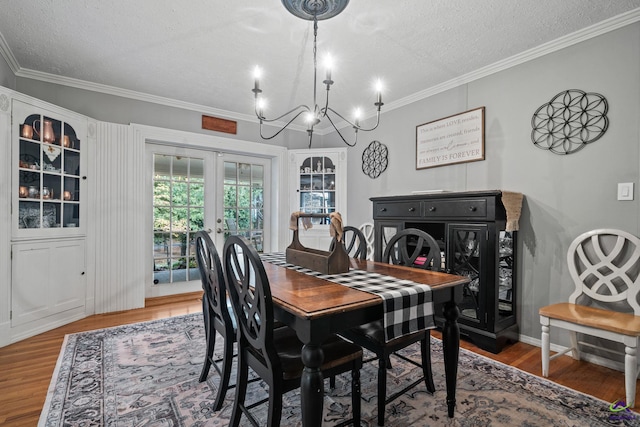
point(412, 209)
point(383, 209)
point(432, 209)
point(472, 208)
point(82, 274)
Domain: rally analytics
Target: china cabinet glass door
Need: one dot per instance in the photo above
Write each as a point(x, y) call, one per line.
point(466, 258)
point(49, 173)
point(506, 267)
point(317, 185)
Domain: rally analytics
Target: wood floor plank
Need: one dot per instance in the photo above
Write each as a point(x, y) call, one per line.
point(26, 367)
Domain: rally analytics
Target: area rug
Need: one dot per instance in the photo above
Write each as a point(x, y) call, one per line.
point(146, 374)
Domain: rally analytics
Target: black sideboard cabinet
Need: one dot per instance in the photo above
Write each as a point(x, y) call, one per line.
point(470, 228)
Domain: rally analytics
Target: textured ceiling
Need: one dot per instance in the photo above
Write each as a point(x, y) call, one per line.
point(204, 51)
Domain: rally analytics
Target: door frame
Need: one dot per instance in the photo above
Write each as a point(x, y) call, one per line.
point(277, 225)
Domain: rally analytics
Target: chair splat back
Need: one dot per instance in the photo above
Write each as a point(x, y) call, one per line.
point(354, 242)
point(216, 313)
point(605, 267)
point(251, 294)
point(212, 276)
point(414, 248)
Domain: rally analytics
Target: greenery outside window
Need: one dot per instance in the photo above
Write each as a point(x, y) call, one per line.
point(244, 201)
point(178, 213)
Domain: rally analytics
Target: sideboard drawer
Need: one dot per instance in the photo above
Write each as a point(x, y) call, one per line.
point(396, 209)
point(467, 208)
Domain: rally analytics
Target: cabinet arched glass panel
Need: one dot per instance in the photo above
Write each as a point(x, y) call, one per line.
point(317, 187)
point(48, 174)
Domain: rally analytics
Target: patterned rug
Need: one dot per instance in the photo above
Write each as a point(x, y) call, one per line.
point(146, 374)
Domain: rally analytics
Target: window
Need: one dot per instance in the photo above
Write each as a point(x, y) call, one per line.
point(178, 213)
point(244, 201)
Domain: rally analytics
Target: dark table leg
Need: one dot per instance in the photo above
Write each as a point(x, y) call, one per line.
point(450, 349)
point(311, 385)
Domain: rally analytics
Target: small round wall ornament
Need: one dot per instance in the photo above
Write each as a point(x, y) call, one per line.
point(572, 119)
point(375, 159)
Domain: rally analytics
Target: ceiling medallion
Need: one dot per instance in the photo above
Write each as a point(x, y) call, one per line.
point(313, 114)
point(315, 9)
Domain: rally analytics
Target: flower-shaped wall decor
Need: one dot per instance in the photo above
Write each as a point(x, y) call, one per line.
point(569, 121)
point(375, 159)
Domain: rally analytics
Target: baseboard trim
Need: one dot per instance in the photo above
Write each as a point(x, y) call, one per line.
point(156, 301)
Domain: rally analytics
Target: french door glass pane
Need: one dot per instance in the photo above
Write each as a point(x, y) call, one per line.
point(178, 212)
point(244, 201)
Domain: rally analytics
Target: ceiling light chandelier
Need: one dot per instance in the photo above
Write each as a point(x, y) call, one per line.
point(314, 10)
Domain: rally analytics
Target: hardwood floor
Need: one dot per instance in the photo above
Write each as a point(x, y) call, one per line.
point(26, 367)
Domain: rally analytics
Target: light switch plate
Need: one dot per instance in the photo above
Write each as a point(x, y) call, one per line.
point(625, 191)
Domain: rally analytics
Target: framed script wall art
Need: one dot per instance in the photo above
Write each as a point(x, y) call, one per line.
point(454, 139)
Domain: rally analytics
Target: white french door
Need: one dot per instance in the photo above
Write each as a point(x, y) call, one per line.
point(184, 200)
point(194, 190)
point(245, 183)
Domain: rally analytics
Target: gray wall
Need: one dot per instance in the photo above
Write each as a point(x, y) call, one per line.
point(7, 78)
point(564, 195)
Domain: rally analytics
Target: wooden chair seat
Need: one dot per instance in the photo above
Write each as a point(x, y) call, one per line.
point(374, 332)
point(593, 317)
point(604, 266)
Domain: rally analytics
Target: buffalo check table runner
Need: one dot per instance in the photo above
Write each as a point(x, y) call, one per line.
point(408, 306)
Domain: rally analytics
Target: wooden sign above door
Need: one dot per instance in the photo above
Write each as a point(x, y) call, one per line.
point(219, 125)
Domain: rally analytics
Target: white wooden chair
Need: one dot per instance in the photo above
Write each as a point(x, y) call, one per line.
point(604, 265)
point(368, 231)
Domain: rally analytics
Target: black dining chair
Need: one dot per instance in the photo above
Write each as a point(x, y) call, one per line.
point(354, 242)
point(274, 354)
point(216, 310)
point(415, 248)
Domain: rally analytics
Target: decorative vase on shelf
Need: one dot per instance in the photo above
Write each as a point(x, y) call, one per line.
point(46, 130)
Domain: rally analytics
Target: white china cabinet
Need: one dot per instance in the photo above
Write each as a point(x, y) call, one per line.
point(318, 180)
point(47, 215)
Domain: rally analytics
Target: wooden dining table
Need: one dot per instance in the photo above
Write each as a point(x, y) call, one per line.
point(316, 308)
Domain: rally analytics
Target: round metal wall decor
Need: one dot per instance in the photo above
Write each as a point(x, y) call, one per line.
point(571, 120)
point(375, 159)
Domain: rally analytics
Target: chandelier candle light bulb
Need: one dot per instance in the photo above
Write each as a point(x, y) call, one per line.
point(328, 63)
point(379, 92)
point(313, 114)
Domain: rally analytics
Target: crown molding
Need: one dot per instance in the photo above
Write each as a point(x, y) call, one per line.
point(8, 56)
point(587, 33)
point(595, 30)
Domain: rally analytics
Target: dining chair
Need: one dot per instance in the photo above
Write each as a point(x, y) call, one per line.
point(274, 354)
point(604, 266)
point(415, 248)
point(354, 242)
point(216, 310)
